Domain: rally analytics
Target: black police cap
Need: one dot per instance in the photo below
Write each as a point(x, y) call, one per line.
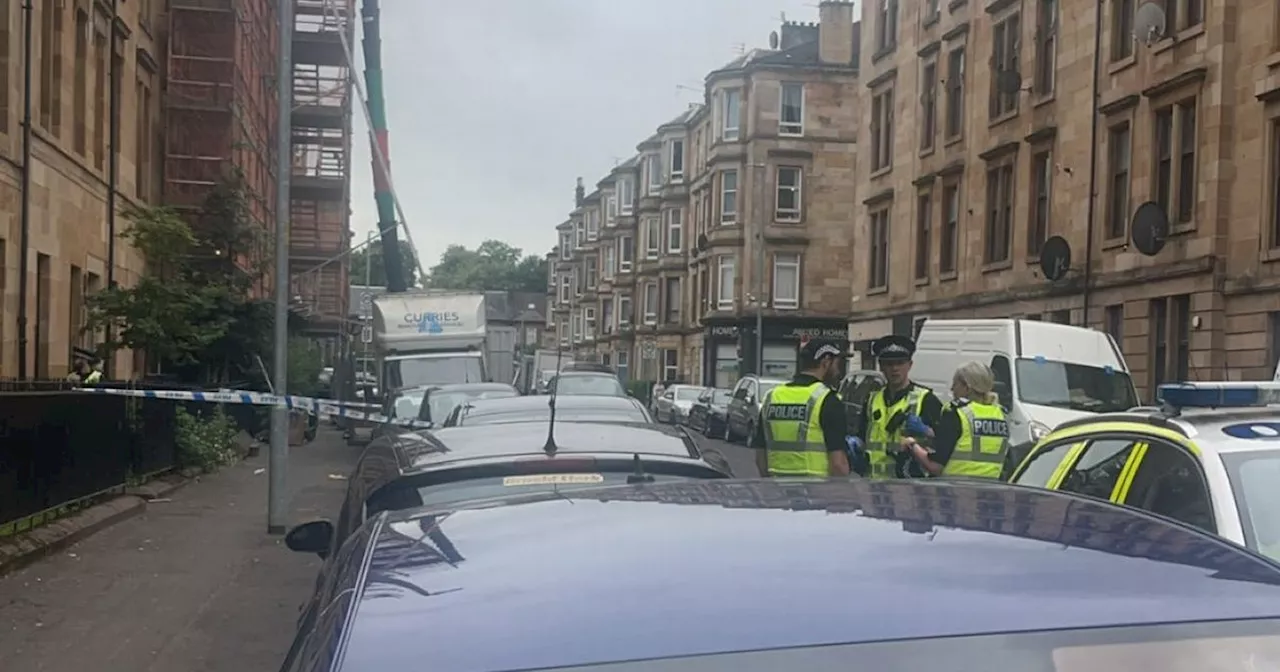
point(893, 348)
point(816, 349)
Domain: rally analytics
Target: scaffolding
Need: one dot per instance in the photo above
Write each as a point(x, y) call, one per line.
point(321, 176)
point(220, 104)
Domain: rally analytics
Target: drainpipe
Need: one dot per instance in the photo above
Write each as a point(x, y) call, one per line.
point(1093, 166)
point(24, 244)
point(113, 164)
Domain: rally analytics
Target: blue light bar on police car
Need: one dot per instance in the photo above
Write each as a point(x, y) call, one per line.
point(1219, 395)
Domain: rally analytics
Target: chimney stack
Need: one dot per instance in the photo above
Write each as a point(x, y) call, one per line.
point(579, 194)
point(795, 33)
point(835, 32)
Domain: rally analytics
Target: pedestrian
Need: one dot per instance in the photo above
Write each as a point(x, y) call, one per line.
point(972, 437)
point(79, 370)
point(655, 394)
point(802, 424)
point(900, 410)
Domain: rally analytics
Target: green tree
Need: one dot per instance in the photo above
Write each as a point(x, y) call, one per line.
point(371, 256)
point(192, 312)
point(493, 266)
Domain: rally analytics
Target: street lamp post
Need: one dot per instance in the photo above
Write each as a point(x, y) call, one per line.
point(760, 218)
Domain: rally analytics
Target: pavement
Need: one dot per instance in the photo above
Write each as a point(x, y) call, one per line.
point(193, 584)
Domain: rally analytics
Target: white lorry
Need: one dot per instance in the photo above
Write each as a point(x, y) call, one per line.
point(428, 337)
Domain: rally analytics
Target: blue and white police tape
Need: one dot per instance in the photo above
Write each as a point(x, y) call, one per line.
point(345, 409)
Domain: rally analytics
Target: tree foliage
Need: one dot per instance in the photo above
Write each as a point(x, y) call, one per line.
point(370, 256)
point(191, 311)
point(493, 266)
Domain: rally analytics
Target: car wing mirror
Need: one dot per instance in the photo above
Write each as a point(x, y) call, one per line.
point(313, 537)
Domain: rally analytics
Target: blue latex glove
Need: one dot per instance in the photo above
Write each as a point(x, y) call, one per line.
point(854, 443)
point(915, 426)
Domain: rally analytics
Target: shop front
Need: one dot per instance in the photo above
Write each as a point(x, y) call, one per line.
point(730, 349)
point(720, 355)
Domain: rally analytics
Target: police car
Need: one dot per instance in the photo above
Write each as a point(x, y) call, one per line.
point(1209, 456)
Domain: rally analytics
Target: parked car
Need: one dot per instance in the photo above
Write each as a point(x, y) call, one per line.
point(744, 406)
point(440, 400)
point(674, 404)
point(855, 390)
point(446, 467)
point(586, 383)
point(569, 408)
point(688, 576)
point(401, 404)
point(709, 413)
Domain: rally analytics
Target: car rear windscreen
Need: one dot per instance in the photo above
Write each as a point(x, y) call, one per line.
point(562, 415)
point(493, 487)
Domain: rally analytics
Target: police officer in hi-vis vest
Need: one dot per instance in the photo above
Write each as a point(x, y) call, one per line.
point(802, 425)
point(972, 437)
point(900, 410)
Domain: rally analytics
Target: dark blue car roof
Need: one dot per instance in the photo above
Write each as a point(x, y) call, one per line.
point(704, 567)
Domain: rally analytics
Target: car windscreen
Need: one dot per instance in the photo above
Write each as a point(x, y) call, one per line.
point(562, 415)
point(687, 393)
point(407, 405)
point(433, 371)
point(590, 385)
point(1226, 646)
point(441, 403)
point(446, 487)
point(1255, 480)
point(1078, 387)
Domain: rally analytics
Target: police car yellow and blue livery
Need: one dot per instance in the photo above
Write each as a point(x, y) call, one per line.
point(794, 441)
point(1208, 456)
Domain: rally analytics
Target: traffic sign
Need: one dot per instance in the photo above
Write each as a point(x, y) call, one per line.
point(366, 334)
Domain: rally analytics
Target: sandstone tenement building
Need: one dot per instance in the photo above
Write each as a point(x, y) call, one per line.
point(981, 144)
point(741, 205)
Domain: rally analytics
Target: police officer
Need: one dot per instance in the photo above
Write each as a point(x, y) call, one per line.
point(802, 424)
point(899, 410)
point(95, 374)
point(972, 437)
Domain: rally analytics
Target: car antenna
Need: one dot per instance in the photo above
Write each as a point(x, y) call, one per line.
point(638, 475)
point(550, 446)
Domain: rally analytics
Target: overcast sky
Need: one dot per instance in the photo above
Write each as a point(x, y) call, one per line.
point(495, 106)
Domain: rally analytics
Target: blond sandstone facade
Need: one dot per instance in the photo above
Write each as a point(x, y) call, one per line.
point(667, 286)
point(68, 250)
point(1187, 121)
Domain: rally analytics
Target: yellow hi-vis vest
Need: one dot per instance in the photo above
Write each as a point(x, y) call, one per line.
point(93, 377)
point(881, 443)
point(793, 438)
point(984, 441)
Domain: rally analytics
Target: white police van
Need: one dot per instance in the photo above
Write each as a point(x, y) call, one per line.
point(1209, 456)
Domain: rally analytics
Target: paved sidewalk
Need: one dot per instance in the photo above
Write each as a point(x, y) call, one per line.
point(192, 585)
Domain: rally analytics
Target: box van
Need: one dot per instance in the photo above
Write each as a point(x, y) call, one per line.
point(1046, 373)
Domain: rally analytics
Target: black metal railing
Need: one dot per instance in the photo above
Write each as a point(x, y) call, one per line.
point(60, 448)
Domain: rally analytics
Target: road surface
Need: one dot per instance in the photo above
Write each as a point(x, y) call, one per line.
point(193, 585)
point(741, 459)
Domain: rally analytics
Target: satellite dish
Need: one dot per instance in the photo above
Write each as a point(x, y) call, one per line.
point(703, 242)
point(1149, 22)
point(1055, 258)
point(1008, 81)
point(773, 40)
point(1149, 229)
